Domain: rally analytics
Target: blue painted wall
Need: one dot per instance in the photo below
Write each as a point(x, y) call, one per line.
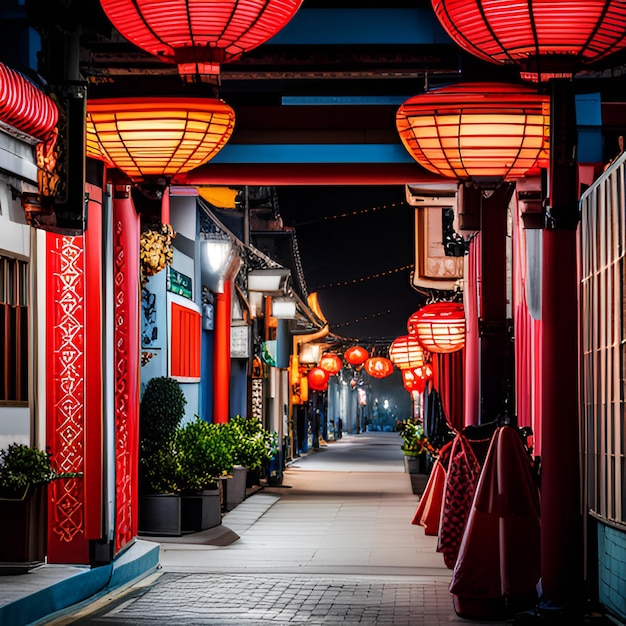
point(612, 569)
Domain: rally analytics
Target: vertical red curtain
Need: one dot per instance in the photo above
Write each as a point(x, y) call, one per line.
point(471, 302)
point(448, 381)
point(527, 339)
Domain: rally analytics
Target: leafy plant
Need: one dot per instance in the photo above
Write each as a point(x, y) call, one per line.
point(22, 466)
point(161, 411)
point(414, 440)
point(205, 452)
point(252, 443)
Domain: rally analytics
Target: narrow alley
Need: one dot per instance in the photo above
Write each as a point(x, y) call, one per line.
point(334, 544)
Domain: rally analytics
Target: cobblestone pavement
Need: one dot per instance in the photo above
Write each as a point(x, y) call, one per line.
point(246, 600)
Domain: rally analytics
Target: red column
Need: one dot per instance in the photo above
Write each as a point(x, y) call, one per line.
point(221, 358)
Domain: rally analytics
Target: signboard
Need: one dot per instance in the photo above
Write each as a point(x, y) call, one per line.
point(240, 342)
point(179, 283)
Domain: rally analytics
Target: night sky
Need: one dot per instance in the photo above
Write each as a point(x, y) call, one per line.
point(347, 236)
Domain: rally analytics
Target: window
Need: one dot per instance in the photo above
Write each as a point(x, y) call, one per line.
point(13, 330)
point(186, 342)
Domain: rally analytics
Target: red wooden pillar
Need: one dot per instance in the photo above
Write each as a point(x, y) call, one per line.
point(126, 329)
point(561, 522)
point(221, 359)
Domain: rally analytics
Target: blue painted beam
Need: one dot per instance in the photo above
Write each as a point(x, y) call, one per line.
point(313, 153)
point(362, 26)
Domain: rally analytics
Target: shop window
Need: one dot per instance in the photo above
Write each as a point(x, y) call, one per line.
point(13, 330)
point(185, 350)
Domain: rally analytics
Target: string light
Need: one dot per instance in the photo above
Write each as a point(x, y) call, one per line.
point(363, 279)
point(327, 218)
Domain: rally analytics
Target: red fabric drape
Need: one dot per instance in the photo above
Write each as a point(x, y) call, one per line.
point(471, 370)
point(527, 342)
point(448, 381)
point(497, 568)
point(462, 478)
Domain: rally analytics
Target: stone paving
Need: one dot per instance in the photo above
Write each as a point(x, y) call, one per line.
point(334, 545)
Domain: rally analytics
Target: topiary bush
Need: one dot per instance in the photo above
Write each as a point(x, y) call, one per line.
point(252, 444)
point(161, 411)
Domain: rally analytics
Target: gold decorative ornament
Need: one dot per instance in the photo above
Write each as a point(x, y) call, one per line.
point(156, 248)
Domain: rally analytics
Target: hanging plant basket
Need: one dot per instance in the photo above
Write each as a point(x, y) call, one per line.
point(156, 248)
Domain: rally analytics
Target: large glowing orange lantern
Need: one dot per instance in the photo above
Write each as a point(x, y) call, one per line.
point(356, 355)
point(439, 327)
point(406, 352)
point(331, 363)
point(318, 379)
point(484, 132)
point(378, 367)
point(542, 36)
point(199, 35)
point(154, 137)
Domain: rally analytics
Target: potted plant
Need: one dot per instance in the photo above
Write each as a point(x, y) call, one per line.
point(205, 455)
point(415, 447)
point(161, 411)
point(253, 446)
point(24, 474)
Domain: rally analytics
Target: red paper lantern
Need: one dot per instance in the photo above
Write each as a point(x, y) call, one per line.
point(199, 35)
point(378, 367)
point(331, 363)
point(318, 379)
point(356, 355)
point(152, 137)
point(406, 352)
point(24, 107)
point(544, 37)
point(412, 381)
point(485, 132)
point(439, 327)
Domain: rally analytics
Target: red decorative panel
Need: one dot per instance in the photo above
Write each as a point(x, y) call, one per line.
point(186, 342)
point(65, 410)
point(126, 341)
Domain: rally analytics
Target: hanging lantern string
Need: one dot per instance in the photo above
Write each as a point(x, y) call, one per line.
point(363, 279)
point(363, 319)
point(327, 218)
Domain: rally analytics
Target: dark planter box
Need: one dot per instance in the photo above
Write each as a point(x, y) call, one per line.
point(160, 514)
point(234, 488)
point(419, 464)
point(23, 528)
point(201, 511)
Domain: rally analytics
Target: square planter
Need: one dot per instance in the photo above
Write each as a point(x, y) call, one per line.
point(23, 528)
point(201, 511)
point(234, 488)
point(160, 514)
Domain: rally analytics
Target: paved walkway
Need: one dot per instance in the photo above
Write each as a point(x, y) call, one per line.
point(333, 545)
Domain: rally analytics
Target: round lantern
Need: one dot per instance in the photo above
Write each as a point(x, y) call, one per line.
point(199, 35)
point(318, 379)
point(356, 355)
point(412, 381)
point(331, 363)
point(406, 352)
point(153, 137)
point(439, 327)
point(485, 132)
point(378, 367)
point(24, 106)
point(544, 37)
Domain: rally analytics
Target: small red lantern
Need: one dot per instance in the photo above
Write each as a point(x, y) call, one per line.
point(439, 327)
point(406, 352)
point(24, 106)
point(331, 363)
point(356, 355)
point(153, 137)
point(553, 39)
point(412, 381)
point(199, 35)
point(318, 379)
point(484, 132)
point(378, 367)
